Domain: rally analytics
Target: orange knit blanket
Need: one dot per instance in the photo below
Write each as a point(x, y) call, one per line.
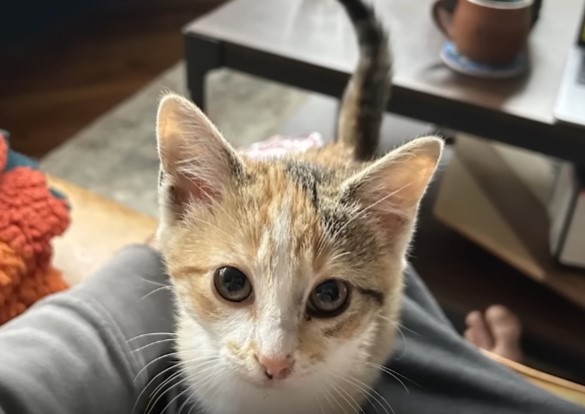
point(30, 216)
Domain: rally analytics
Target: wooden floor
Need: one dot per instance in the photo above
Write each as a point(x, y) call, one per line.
point(52, 87)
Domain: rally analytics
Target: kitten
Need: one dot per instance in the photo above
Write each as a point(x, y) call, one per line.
point(288, 272)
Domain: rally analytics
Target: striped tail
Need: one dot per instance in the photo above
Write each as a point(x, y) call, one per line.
point(368, 90)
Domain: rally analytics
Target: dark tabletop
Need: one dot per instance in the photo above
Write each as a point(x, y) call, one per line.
point(318, 32)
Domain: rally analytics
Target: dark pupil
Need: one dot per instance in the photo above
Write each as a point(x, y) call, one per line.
point(328, 292)
point(233, 280)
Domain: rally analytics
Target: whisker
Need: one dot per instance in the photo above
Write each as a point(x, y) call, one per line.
point(202, 380)
point(405, 352)
point(399, 324)
point(327, 395)
point(151, 334)
point(161, 386)
point(398, 327)
point(152, 282)
point(153, 343)
point(167, 355)
point(154, 291)
point(391, 373)
point(354, 403)
point(318, 401)
point(406, 328)
point(203, 367)
point(335, 388)
point(404, 377)
point(185, 403)
point(172, 354)
point(175, 385)
point(150, 382)
point(174, 399)
point(368, 390)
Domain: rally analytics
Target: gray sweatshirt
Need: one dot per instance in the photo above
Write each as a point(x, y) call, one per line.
point(72, 353)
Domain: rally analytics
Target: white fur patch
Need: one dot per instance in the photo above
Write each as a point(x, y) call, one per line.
point(276, 324)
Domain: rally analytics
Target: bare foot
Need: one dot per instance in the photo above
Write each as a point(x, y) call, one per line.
point(497, 330)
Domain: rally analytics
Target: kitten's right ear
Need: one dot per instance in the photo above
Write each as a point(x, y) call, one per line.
point(197, 163)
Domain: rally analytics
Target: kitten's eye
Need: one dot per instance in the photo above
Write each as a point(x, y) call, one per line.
point(329, 299)
point(232, 284)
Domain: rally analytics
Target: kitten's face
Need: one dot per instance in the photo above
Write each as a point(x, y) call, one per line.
point(264, 275)
point(287, 274)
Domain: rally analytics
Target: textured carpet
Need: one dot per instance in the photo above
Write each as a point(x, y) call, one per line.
point(116, 156)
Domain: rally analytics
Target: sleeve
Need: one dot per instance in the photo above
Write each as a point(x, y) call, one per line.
point(83, 350)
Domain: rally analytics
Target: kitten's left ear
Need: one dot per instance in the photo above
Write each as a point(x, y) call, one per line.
point(393, 186)
point(197, 163)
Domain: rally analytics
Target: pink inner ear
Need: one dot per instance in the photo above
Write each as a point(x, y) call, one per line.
point(392, 221)
point(390, 213)
point(188, 190)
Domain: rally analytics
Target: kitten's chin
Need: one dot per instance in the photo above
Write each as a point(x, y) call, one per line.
point(266, 384)
point(261, 382)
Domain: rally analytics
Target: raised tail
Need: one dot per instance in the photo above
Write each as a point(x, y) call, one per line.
point(368, 90)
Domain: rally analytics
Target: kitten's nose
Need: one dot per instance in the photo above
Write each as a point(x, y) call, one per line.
point(276, 368)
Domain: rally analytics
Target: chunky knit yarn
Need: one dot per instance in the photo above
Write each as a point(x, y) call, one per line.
point(30, 216)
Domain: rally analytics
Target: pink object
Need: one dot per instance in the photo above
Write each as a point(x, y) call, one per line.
point(275, 368)
point(280, 145)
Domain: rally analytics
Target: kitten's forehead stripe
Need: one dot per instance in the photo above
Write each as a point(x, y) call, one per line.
point(350, 233)
point(334, 209)
point(308, 177)
point(280, 238)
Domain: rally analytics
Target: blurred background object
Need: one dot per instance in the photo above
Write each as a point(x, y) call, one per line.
point(66, 62)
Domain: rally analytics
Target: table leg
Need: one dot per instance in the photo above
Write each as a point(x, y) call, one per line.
point(203, 54)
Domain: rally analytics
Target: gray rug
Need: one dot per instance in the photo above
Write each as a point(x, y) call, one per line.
point(116, 156)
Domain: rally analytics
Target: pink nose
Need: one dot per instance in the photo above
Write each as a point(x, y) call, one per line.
point(276, 368)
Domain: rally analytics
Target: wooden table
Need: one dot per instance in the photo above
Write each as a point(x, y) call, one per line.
point(99, 228)
point(309, 44)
